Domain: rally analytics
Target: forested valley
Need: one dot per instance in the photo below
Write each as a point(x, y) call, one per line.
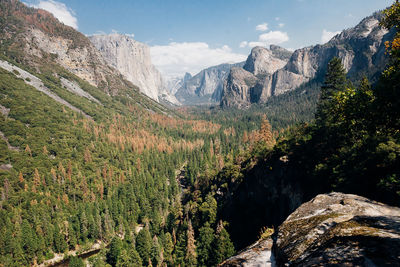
point(146, 185)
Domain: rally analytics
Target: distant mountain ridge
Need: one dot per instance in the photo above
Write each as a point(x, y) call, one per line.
point(206, 86)
point(361, 49)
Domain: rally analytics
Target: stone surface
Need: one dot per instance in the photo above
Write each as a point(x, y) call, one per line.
point(264, 61)
point(133, 60)
point(242, 86)
point(76, 89)
point(257, 255)
point(340, 229)
point(334, 229)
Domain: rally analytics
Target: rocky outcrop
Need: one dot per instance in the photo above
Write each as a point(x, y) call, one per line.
point(361, 50)
point(333, 229)
point(133, 60)
point(340, 229)
point(258, 254)
point(84, 61)
point(262, 61)
point(261, 64)
point(206, 86)
point(242, 88)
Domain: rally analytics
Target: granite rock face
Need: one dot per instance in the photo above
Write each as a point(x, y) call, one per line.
point(258, 254)
point(333, 229)
point(340, 229)
point(262, 63)
point(133, 60)
point(266, 61)
point(206, 86)
point(242, 86)
point(361, 50)
point(82, 60)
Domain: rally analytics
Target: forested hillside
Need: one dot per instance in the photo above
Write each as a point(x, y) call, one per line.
point(81, 165)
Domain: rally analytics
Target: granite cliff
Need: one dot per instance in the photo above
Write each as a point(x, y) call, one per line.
point(133, 60)
point(247, 85)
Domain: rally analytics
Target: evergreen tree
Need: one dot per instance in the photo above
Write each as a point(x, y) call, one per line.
point(135, 257)
point(155, 253)
point(204, 245)
point(29, 239)
point(168, 248)
point(144, 244)
point(223, 246)
point(114, 251)
point(335, 81)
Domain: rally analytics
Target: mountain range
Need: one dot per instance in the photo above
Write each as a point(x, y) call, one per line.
point(361, 49)
point(206, 86)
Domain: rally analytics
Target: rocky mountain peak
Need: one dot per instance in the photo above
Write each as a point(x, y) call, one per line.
point(187, 77)
point(262, 61)
point(132, 59)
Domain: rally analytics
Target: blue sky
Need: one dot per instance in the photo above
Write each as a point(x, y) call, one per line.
point(187, 35)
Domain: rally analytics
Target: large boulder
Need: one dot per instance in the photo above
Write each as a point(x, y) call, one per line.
point(340, 229)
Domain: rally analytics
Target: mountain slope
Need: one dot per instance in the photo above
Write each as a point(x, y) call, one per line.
point(361, 49)
point(35, 38)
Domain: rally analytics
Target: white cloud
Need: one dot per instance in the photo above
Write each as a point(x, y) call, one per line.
point(243, 44)
point(281, 25)
point(60, 11)
point(327, 35)
point(274, 37)
point(175, 59)
point(262, 27)
point(266, 39)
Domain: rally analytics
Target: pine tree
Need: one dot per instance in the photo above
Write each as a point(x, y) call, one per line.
point(335, 81)
point(168, 247)
point(204, 245)
point(155, 252)
point(223, 247)
point(29, 239)
point(144, 244)
point(114, 251)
